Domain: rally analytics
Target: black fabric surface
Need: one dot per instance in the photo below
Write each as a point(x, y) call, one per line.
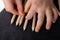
point(11, 32)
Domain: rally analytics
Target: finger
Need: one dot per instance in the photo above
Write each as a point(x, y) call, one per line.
point(31, 13)
point(19, 7)
point(49, 18)
point(55, 13)
point(27, 6)
point(10, 8)
point(25, 25)
point(39, 21)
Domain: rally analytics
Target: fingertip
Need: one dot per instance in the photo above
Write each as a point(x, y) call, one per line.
point(55, 13)
point(54, 21)
point(21, 13)
point(48, 27)
point(36, 30)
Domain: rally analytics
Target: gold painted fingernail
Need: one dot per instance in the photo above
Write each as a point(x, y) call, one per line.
point(33, 23)
point(25, 25)
point(13, 18)
point(21, 20)
point(17, 22)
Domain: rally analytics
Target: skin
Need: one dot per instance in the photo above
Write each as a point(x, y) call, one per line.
point(59, 4)
point(43, 8)
point(9, 6)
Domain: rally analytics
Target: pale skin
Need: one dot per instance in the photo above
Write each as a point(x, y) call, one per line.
point(42, 7)
point(9, 6)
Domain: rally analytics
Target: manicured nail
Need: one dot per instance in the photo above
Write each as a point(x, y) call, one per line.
point(48, 27)
point(18, 19)
point(33, 23)
point(13, 18)
point(21, 20)
point(36, 30)
point(25, 25)
point(54, 21)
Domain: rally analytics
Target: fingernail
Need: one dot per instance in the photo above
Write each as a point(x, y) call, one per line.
point(36, 30)
point(54, 21)
point(48, 27)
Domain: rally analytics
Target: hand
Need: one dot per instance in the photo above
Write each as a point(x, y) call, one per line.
point(42, 7)
point(59, 4)
point(9, 6)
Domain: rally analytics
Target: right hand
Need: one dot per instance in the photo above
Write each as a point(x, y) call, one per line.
point(42, 8)
point(9, 6)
